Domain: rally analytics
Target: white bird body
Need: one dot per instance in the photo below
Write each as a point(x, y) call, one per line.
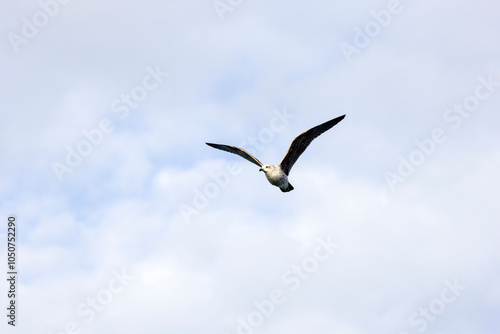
point(276, 177)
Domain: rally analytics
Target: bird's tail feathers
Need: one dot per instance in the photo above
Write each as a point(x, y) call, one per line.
point(286, 188)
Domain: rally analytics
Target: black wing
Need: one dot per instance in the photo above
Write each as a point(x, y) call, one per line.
point(303, 140)
point(236, 150)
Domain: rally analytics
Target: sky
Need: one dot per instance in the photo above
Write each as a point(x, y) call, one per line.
point(127, 222)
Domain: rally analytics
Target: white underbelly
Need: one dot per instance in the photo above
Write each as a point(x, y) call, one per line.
point(277, 179)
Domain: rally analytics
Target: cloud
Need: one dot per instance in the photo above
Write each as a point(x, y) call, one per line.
point(119, 209)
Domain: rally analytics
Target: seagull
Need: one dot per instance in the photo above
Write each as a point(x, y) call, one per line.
point(277, 175)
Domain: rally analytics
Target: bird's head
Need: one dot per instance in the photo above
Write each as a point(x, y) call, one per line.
point(265, 168)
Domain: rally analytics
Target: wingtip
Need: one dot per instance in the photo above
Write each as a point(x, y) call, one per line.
point(212, 145)
point(340, 118)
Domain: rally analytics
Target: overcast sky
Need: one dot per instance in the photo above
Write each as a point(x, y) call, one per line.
point(128, 223)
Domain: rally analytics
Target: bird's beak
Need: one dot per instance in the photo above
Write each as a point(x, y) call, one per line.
point(260, 169)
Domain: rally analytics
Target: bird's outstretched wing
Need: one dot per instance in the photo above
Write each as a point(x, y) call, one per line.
point(303, 140)
point(236, 150)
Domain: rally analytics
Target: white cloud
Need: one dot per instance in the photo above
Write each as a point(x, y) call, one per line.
point(120, 207)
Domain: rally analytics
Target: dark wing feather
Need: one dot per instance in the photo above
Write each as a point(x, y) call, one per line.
point(303, 140)
point(238, 151)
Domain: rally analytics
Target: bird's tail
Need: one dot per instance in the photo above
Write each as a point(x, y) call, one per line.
point(287, 188)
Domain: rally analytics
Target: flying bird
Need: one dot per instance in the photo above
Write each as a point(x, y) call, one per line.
point(278, 175)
